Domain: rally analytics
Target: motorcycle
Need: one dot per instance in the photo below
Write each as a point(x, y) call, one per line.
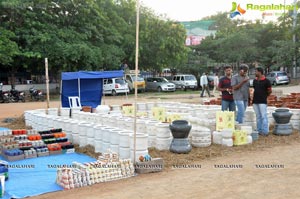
point(16, 96)
point(36, 94)
point(4, 98)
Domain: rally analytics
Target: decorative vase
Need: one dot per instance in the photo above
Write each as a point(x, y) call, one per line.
point(282, 118)
point(282, 115)
point(180, 130)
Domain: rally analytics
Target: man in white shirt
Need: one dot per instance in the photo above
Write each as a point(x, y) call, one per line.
point(216, 83)
point(204, 85)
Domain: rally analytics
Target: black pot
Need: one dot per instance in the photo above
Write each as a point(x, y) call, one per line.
point(180, 128)
point(283, 129)
point(282, 115)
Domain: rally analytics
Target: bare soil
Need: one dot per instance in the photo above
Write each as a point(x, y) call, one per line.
point(268, 168)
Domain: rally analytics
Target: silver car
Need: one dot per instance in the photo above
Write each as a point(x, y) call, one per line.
point(278, 77)
point(159, 84)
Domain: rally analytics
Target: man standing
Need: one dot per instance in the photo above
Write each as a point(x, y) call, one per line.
point(240, 85)
point(262, 89)
point(225, 87)
point(216, 83)
point(204, 84)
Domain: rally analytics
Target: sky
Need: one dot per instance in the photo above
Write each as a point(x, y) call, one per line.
point(192, 10)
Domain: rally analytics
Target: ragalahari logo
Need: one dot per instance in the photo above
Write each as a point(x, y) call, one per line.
point(236, 10)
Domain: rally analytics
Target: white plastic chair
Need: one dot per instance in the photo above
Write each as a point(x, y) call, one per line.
point(74, 102)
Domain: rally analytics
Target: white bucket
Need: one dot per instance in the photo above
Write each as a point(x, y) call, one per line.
point(141, 126)
point(98, 132)
point(106, 134)
point(98, 146)
point(114, 136)
point(141, 142)
point(83, 128)
point(50, 121)
point(53, 111)
point(163, 143)
point(90, 141)
point(124, 153)
point(65, 112)
point(163, 130)
point(141, 106)
point(151, 128)
point(105, 146)
point(90, 131)
point(227, 133)
point(217, 137)
point(75, 137)
point(124, 140)
point(82, 140)
point(114, 148)
point(227, 142)
point(151, 141)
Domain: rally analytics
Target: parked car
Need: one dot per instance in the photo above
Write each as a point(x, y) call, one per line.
point(115, 86)
point(159, 84)
point(185, 81)
point(278, 77)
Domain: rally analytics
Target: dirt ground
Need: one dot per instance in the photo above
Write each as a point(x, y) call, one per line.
point(269, 168)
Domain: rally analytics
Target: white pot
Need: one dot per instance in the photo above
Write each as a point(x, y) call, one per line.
point(141, 142)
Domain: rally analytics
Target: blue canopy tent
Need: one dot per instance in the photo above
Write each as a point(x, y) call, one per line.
point(87, 85)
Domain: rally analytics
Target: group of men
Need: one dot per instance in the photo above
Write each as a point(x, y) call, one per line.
point(236, 95)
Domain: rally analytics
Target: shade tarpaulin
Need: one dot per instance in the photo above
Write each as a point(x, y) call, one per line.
point(88, 85)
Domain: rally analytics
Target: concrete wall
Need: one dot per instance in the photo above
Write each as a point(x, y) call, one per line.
point(53, 87)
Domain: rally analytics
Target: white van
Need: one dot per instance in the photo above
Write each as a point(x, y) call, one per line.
point(185, 81)
point(115, 86)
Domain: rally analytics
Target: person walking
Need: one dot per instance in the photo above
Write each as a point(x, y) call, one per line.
point(225, 87)
point(240, 85)
point(216, 83)
point(262, 89)
point(204, 85)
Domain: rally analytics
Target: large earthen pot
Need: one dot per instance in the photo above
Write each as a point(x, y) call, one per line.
point(282, 115)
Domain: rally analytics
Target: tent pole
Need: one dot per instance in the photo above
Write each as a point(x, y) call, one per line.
point(47, 81)
point(103, 95)
point(79, 88)
point(136, 73)
point(60, 95)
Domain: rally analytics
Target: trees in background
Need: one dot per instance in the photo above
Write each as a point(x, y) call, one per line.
point(85, 35)
point(100, 35)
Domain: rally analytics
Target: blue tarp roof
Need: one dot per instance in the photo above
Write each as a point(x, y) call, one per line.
point(91, 74)
point(85, 84)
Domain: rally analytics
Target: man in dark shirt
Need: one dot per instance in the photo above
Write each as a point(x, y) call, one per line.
point(226, 89)
point(262, 89)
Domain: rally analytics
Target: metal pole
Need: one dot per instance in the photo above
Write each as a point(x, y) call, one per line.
point(294, 38)
point(47, 81)
point(136, 74)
